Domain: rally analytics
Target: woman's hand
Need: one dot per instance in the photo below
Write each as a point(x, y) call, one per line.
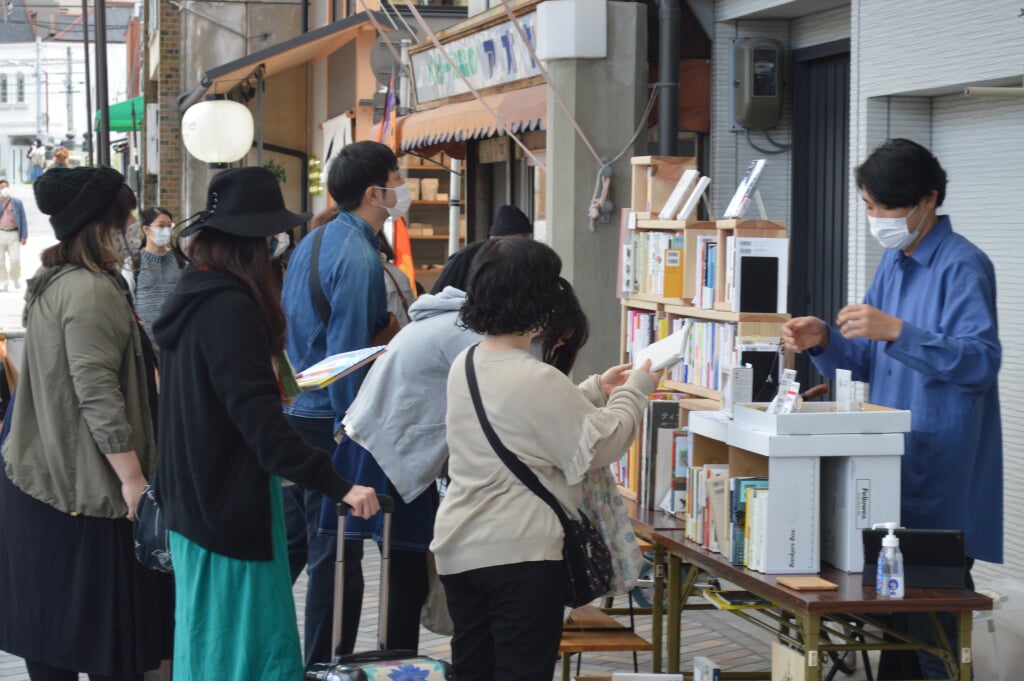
point(362, 501)
point(655, 375)
point(614, 377)
point(126, 466)
point(131, 492)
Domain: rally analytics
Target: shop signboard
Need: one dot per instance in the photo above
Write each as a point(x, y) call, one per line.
point(490, 57)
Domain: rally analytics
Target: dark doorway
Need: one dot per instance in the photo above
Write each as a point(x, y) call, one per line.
point(818, 249)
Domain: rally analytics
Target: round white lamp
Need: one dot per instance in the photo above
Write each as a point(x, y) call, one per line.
point(217, 130)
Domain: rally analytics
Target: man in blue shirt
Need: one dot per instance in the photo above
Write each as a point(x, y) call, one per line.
point(365, 182)
point(926, 339)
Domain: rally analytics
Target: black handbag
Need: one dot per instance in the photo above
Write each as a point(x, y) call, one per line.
point(588, 562)
point(152, 545)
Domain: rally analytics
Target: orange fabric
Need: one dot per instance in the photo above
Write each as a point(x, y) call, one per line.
point(402, 246)
point(403, 252)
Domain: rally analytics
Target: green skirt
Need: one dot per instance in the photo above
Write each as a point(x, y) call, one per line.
point(235, 619)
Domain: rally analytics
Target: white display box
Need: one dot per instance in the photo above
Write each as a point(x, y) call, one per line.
point(821, 418)
point(856, 492)
point(712, 424)
point(767, 444)
point(794, 517)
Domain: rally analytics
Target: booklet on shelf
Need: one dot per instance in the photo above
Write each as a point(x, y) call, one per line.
point(745, 190)
point(330, 369)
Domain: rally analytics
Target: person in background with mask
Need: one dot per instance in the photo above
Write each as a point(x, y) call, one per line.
point(159, 266)
point(13, 235)
point(365, 183)
point(926, 338)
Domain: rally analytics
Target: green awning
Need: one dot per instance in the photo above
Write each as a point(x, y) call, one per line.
point(121, 115)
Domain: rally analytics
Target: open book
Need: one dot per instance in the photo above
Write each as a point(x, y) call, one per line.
point(330, 369)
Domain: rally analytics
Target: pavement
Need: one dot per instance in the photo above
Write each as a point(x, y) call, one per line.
point(40, 237)
point(735, 644)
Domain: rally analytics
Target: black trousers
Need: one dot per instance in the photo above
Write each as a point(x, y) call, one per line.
point(508, 621)
point(41, 672)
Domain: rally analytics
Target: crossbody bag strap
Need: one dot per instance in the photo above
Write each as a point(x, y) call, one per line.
point(316, 289)
point(398, 289)
point(520, 469)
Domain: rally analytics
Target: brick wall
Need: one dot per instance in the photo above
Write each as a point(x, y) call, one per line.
point(169, 86)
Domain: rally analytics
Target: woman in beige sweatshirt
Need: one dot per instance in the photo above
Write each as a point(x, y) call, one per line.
point(498, 545)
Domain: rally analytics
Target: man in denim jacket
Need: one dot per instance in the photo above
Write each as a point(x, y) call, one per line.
point(365, 182)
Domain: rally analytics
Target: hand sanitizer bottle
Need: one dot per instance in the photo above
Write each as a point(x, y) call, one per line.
point(889, 574)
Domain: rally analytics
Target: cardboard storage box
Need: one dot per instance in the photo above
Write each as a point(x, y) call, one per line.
point(856, 492)
point(428, 188)
point(821, 418)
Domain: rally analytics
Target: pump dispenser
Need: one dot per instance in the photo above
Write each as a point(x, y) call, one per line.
point(889, 574)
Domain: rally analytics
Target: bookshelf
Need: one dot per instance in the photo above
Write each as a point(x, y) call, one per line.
point(659, 298)
point(430, 184)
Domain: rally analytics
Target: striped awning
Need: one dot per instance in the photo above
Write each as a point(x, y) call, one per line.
point(519, 110)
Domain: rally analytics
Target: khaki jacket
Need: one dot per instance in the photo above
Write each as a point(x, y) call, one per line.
point(81, 394)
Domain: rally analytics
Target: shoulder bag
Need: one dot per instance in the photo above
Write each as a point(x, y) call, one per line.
point(152, 545)
point(588, 563)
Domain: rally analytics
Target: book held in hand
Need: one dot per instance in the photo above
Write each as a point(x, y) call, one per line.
point(330, 369)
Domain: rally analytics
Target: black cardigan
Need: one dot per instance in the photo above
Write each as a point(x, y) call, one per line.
point(222, 431)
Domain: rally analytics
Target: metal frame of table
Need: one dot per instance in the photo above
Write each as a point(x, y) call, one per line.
point(817, 622)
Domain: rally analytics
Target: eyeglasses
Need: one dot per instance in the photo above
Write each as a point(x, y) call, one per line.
point(161, 225)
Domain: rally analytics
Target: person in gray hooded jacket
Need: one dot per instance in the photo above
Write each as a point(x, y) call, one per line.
point(399, 417)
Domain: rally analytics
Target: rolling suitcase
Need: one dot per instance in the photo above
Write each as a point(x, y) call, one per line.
point(382, 664)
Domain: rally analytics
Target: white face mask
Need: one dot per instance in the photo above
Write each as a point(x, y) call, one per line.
point(5, 193)
point(403, 199)
point(161, 236)
point(893, 233)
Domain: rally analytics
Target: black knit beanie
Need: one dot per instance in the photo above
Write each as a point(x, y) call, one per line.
point(74, 197)
point(510, 220)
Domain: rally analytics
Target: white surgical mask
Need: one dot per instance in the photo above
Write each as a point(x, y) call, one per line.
point(161, 236)
point(893, 233)
point(403, 199)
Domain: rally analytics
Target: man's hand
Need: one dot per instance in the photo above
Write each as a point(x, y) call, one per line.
point(362, 501)
point(801, 333)
point(24, 241)
point(865, 321)
point(384, 336)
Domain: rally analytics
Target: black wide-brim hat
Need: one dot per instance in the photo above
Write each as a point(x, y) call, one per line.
point(245, 202)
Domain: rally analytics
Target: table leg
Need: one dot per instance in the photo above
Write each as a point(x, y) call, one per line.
point(964, 624)
point(566, 666)
point(673, 612)
point(810, 627)
point(657, 607)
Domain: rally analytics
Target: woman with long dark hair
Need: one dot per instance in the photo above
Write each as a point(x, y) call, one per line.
point(80, 449)
point(228, 445)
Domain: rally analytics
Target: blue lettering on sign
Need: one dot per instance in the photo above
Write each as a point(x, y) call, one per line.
point(530, 39)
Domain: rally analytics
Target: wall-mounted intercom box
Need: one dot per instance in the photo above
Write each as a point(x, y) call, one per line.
point(755, 70)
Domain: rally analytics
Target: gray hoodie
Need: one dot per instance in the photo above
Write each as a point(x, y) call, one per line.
point(398, 415)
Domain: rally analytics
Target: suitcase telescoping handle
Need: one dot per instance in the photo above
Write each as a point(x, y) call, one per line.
point(387, 507)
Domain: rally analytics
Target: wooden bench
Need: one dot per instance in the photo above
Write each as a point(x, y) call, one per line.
point(588, 629)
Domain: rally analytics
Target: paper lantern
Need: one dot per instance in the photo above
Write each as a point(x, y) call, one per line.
point(217, 130)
